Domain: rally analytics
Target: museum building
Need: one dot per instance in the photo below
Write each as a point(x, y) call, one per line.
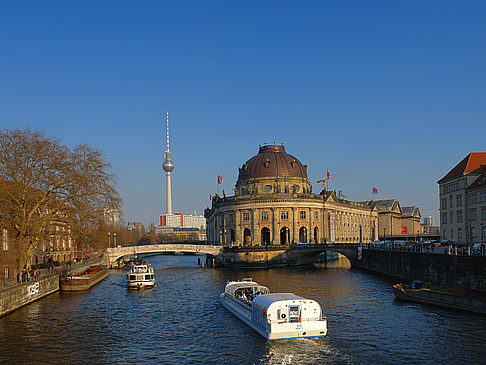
point(274, 204)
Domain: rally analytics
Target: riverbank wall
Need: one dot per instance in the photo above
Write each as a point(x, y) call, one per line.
point(465, 272)
point(16, 296)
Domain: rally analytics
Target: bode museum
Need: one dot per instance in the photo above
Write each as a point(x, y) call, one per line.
point(274, 204)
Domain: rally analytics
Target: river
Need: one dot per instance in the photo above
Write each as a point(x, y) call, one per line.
point(181, 321)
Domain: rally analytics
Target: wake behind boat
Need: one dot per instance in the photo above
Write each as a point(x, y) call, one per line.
point(277, 316)
point(140, 275)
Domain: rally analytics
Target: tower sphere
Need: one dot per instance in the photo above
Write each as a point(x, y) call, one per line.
point(168, 165)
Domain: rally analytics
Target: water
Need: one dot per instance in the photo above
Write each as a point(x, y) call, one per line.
point(181, 321)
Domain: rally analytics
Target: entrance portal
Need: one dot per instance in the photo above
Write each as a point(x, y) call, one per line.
point(265, 236)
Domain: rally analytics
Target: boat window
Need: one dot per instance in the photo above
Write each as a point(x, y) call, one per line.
point(132, 277)
point(147, 277)
point(294, 313)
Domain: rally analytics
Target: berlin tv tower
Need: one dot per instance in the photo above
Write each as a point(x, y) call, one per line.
point(168, 167)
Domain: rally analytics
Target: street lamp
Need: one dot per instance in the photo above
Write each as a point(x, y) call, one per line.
point(114, 239)
point(109, 239)
point(360, 234)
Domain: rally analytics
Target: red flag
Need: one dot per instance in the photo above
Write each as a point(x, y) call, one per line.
point(220, 179)
point(328, 174)
point(374, 191)
point(210, 197)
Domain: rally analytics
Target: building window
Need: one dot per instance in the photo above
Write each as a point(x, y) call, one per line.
point(459, 233)
point(264, 216)
point(473, 232)
point(444, 203)
point(452, 233)
point(5, 239)
point(473, 214)
point(444, 234)
point(452, 217)
point(302, 214)
point(246, 216)
point(6, 273)
point(451, 202)
point(316, 215)
point(459, 216)
point(483, 213)
point(284, 215)
point(459, 201)
point(444, 218)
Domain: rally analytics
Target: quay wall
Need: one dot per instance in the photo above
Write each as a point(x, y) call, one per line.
point(16, 296)
point(466, 272)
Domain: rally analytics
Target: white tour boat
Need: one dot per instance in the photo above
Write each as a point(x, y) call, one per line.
point(276, 316)
point(140, 275)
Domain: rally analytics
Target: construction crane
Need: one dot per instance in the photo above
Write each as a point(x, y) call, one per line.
point(324, 178)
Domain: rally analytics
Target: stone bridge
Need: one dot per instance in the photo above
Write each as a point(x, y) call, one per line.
point(273, 256)
point(116, 253)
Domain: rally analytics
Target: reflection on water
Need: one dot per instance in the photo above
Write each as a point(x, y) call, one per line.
point(182, 321)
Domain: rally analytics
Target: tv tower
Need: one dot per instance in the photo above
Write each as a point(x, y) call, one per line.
point(168, 167)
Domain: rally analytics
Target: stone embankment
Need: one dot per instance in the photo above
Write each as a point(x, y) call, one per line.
point(15, 295)
point(452, 271)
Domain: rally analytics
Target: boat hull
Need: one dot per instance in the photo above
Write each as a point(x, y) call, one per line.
point(277, 331)
point(80, 283)
point(439, 298)
point(138, 285)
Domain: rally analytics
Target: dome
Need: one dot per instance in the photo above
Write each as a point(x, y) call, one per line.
point(272, 161)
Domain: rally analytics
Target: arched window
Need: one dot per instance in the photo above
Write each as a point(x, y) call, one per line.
point(303, 234)
point(316, 235)
point(265, 236)
point(246, 236)
point(232, 236)
point(284, 236)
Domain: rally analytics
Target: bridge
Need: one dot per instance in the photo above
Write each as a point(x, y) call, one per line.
point(282, 255)
point(116, 253)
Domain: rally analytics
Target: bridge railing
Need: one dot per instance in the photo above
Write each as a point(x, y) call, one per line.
point(441, 250)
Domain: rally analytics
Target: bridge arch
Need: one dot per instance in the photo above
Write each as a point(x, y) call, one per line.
point(306, 254)
point(115, 253)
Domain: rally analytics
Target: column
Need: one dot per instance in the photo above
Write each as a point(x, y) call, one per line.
point(294, 227)
point(273, 226)
point(252, 241)
point(237, 228)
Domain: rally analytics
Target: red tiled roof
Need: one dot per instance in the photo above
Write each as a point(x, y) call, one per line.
point(475, 161)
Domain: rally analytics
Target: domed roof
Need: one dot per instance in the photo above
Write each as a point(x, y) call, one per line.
point(272, 161)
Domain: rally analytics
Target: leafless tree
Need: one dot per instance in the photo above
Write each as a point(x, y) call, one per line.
point(45, 184)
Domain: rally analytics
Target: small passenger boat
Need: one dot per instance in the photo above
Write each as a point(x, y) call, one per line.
point(140, 275)
point(448, 298)
point(275, 316)
point(84, 281)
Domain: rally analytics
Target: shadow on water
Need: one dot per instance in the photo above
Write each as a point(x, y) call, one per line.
point(182, 321)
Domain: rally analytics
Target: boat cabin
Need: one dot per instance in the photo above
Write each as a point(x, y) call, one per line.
point(284, 308)
point(245, 290)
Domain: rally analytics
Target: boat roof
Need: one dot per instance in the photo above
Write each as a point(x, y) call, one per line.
point(233, 286)
point(267, 299)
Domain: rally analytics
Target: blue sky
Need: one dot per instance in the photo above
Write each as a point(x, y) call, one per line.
point(394, 90)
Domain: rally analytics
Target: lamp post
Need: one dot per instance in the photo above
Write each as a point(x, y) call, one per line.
point(384, 234)
point(360, 234)
point(114, 239)
point(109, 239)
